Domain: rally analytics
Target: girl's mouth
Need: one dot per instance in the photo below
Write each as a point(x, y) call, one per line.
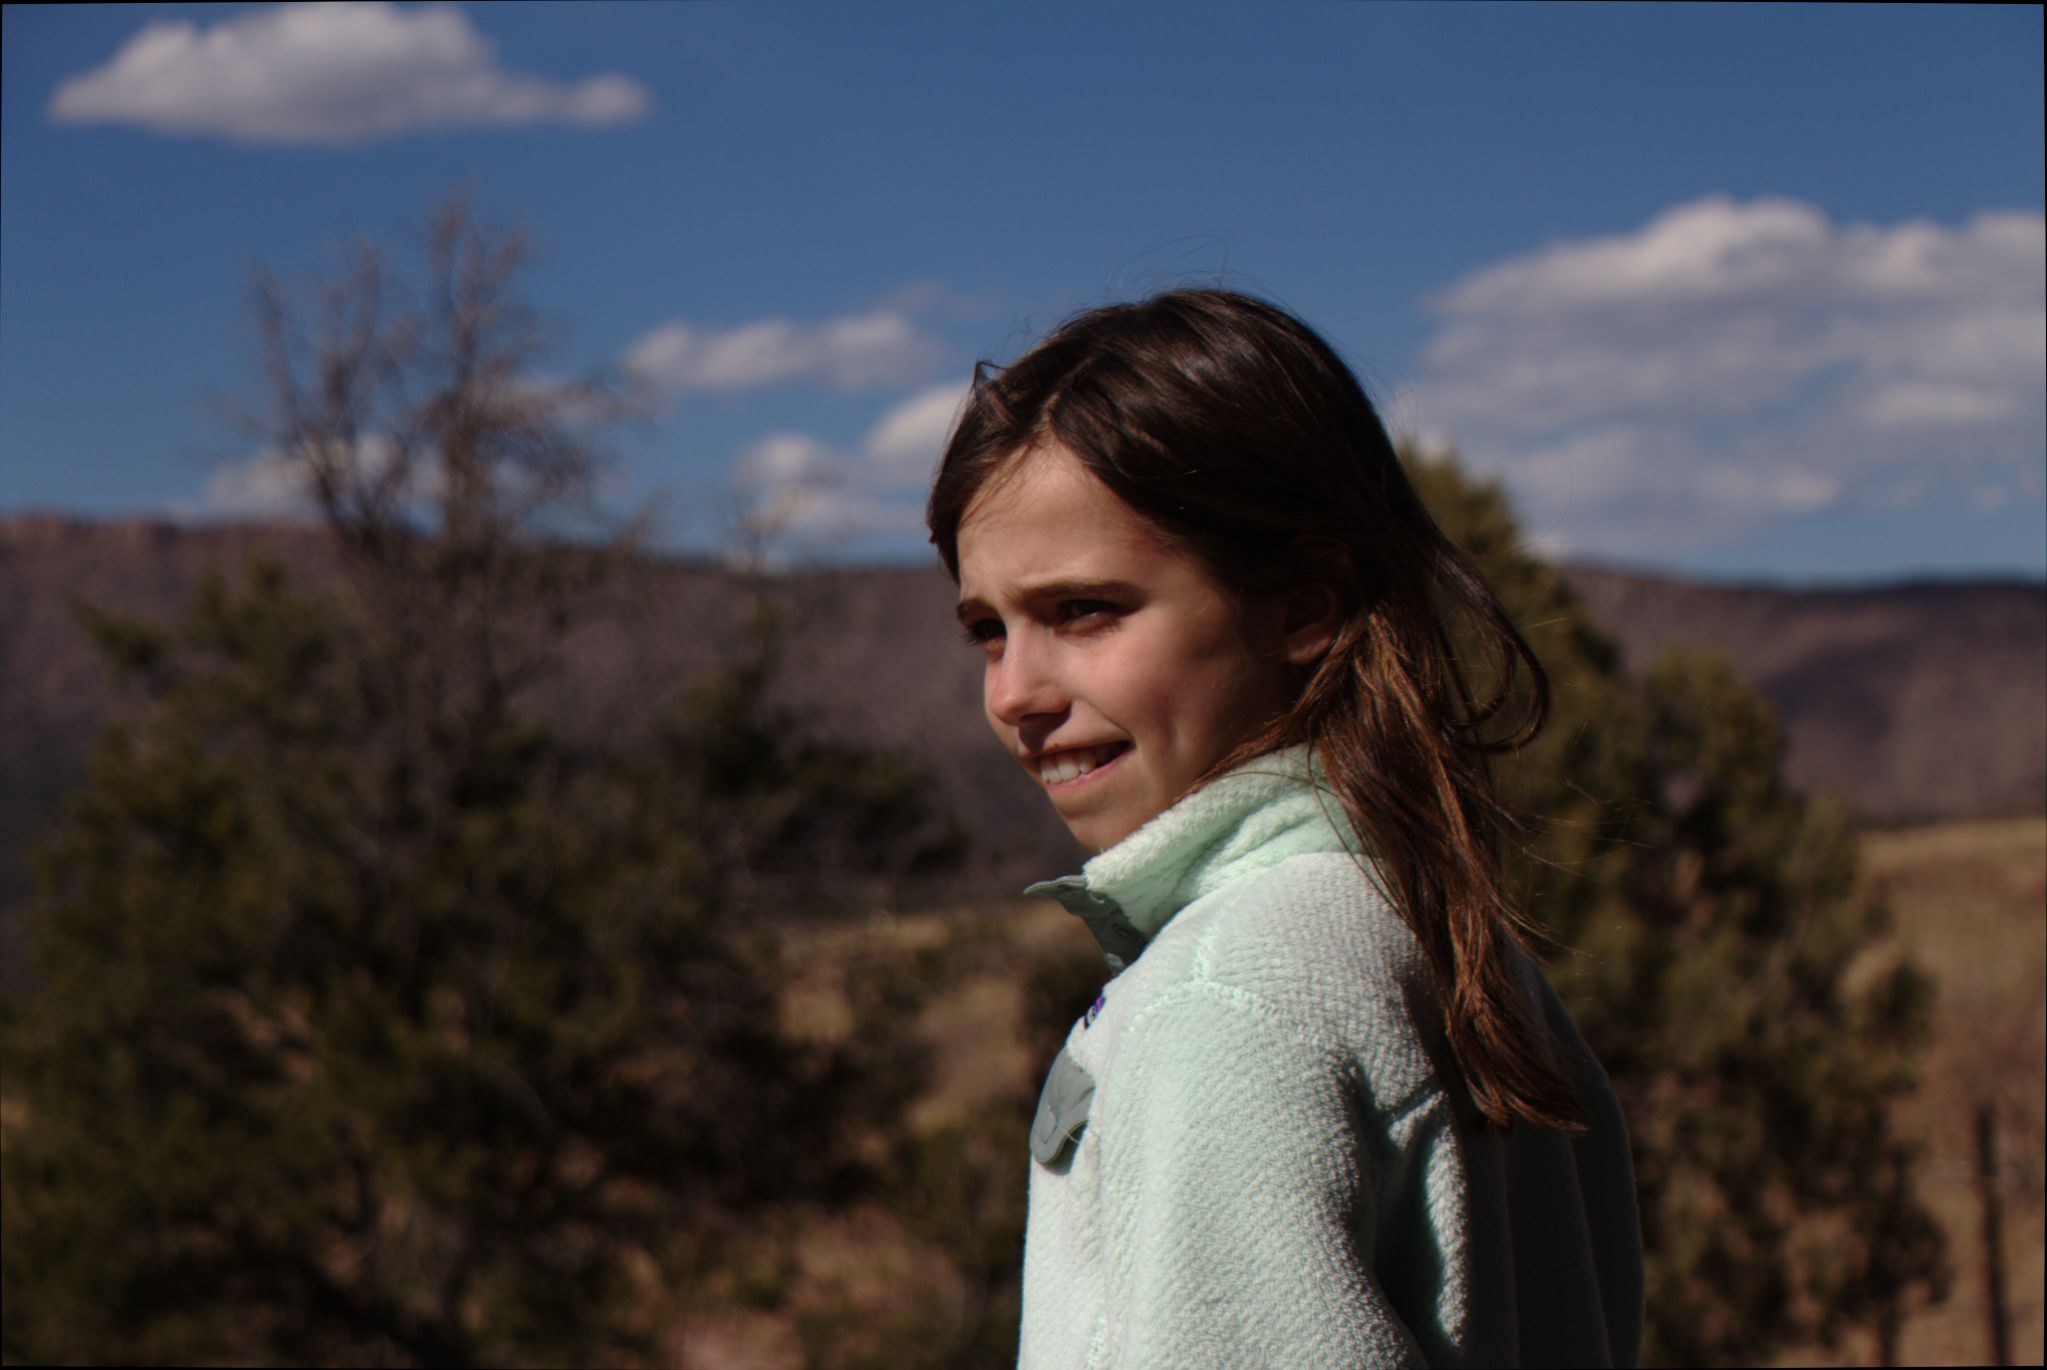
point(1060, 769)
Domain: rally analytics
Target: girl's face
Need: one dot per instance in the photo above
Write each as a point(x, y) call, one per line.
point(1119, 671)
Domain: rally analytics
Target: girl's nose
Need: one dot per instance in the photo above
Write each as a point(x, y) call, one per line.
point(1021, 684)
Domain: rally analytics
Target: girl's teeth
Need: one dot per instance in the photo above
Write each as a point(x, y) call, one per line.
point(1072, 765)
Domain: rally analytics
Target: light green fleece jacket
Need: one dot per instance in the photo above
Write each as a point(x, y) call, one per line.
point(1255, 1149)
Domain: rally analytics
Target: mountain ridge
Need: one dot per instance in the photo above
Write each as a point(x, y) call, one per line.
point(1911, 701)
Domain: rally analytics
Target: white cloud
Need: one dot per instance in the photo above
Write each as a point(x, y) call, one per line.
point(274, 485)
point(1934, 403)
point(876, 350)
point(266, 486)
point(803, 491)
point(905, 443)
point(1728, 364)
point(781, 460)
point(339, 73)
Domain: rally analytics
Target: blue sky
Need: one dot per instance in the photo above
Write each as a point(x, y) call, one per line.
point(1736, 291)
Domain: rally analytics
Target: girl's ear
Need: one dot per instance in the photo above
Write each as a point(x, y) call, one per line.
point(1312, 614)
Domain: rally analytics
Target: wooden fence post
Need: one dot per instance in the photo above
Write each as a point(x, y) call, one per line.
point(1993, 1233)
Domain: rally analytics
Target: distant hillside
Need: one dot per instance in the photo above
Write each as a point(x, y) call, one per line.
point(1911, 702)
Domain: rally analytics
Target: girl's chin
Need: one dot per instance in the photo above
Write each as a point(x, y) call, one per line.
point(1099, 818)
point(1096, 837)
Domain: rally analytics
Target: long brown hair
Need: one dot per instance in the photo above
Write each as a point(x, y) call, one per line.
point(1244, 439)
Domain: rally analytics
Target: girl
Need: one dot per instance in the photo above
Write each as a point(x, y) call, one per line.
point(1327, 1112)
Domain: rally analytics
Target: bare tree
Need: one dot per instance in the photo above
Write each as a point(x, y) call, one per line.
point(458, 477)
point(380, 1022)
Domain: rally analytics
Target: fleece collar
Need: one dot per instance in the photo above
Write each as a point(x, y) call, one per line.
point(1252, 818)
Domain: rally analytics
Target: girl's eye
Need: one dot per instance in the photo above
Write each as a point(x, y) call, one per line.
point(1081, 610)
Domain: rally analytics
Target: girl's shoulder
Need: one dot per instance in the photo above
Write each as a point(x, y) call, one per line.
point(1309, 912)
point(1310, 943)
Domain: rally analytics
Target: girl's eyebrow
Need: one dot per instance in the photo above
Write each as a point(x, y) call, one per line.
point(1055, 589)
